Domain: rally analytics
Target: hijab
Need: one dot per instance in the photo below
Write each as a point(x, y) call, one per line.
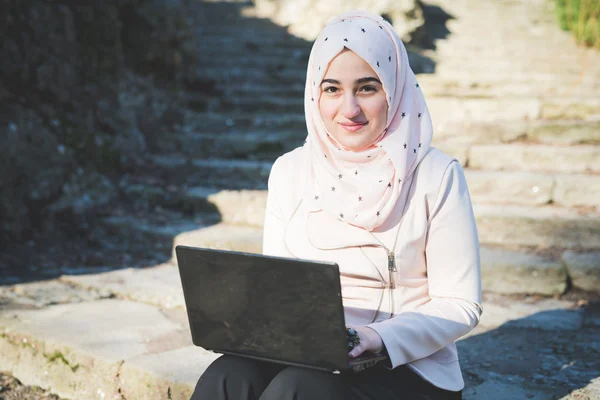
point(361, 188)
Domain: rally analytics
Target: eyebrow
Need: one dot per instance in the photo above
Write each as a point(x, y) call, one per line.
point(356, 82)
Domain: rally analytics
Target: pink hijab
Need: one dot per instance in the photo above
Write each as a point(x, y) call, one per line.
point(361, 188)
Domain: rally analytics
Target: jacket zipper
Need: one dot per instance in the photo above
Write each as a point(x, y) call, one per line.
point(391, 271)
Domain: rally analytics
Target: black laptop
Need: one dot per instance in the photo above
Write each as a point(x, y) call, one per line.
point(275, 309)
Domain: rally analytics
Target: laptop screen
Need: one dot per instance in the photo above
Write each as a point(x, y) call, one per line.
point(278, 309)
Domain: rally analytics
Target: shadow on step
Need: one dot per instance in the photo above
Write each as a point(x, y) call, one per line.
point(546, 355)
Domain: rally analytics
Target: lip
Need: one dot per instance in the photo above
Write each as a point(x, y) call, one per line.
point(353, 126)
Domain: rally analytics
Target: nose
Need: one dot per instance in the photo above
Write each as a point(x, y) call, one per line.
point(350, 108)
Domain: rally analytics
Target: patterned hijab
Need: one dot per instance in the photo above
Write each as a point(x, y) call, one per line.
point(362, 187)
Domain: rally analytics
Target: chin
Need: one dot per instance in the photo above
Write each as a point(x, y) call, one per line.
point(356, 142)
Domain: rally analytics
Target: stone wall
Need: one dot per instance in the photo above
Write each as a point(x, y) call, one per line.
point(306, 18)
point(83, 89)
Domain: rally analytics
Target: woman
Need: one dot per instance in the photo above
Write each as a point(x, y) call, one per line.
point(368, 192)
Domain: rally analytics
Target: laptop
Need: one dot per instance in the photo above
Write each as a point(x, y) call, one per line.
point(276, 309)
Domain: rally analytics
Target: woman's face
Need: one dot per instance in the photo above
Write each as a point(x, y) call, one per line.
point(353, 104)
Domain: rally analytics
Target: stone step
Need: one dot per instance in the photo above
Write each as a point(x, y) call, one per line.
point(561, 132)
point(540, 227)
point(297, 75)
point(247, 103)
point(432, 84)
point(218, 173)
point(445, 109)
point(66, 347)
point(535, 158)
point(550, 132)
point(251, 145)
point(502, 66)
point(485, 187)
point(531, 77)
point(534, 188)
point(499, 224)
point(434, 87)
point(149, 354)
point(504, 270)
point(251, 49)
point(241, 122)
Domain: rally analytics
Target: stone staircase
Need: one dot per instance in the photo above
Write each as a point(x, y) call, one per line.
point(514, 101)
point(511, 98)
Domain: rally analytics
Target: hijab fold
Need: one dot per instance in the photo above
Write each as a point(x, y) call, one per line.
point(362, 187)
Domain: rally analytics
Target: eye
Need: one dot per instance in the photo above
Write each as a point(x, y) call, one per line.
point(368, 88)
point(330, 89)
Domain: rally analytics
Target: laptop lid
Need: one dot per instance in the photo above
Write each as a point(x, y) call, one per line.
point(271, 308)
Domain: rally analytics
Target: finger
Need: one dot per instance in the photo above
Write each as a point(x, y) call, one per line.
point(357, 351)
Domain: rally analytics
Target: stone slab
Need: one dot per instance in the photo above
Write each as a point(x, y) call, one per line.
point(45, 293)
point(506, 271)
point(509, 187)
point(132, 326)
point(78, 349)
point(499, 224)
point(159, 285)
point(544, 227)
point(576, 190)
point(499, 309)
point(449, 110)
point(584, 269)
point(458, 149)
point(179, 368)
point(237, 207)
point(224, 237)
point(541, 158)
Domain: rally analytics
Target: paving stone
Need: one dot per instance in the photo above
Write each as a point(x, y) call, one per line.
point(584, 269)
point(521, 157)
point(158, 285)
point(544, 227)
point(507, 271)
point(575, 190)
point(509, 187)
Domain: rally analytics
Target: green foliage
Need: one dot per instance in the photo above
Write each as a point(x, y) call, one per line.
point(57, 355)
point(582, 17)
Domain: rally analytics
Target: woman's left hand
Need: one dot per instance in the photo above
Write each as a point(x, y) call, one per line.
point(369, 341)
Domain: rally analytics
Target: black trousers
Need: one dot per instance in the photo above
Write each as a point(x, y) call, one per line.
point(236, 378)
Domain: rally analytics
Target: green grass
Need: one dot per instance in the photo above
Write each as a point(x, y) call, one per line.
point(582, 17)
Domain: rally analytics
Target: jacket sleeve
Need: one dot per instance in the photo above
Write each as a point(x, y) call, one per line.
point(454, 278)
point(274, 226)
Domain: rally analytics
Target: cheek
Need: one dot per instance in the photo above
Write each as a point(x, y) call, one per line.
point(328, 109)
point(378, 109)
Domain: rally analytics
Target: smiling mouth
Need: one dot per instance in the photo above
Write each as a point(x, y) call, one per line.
point(353, 127)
